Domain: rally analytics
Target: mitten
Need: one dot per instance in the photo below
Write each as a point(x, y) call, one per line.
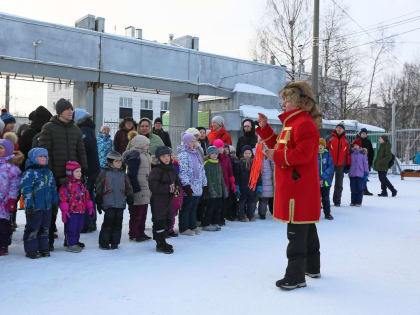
point(232, 183)
point(130, 200)
point(187, 189)
point(11, 205)
point(259, 191)
point(64, 211)
point(90, 208)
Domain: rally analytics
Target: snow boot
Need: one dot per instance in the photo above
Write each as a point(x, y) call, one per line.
point(210, 228)
point(383, 194)
point(33, 255)
point(262, 217)
point(188, 233)
point(197, 231)
point(358, 204)
point(352, 205)
point(73, 249)
point(252, 219)
point(218, 227)
point(164, 248)
point(44, 253)
point(329, 217)
point(172, 234)
point(4, 251)
point(394, 192)
point(367, 193)
point(104, 247)
point(244, 220)
point(313, 275)
point(286, 284)
point(142, 238)
point(337, 205)
point(114, 246)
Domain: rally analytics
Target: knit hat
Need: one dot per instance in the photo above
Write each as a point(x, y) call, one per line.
point(7, 117)
point(158, 120)
point(211, 149)
point(219, 120)
point(79, 114)
point(341, 124)
point(8, 146)
point(71, 166)
point(161, 151)
point(187, 138)
point(218, 143)
point(363, 130)
point(34, 153)
point(61, 105)
point(323, 142)
point(357, 141)
point(139, 142)
point(11, 136)
point(246, 147)
point(193, 131)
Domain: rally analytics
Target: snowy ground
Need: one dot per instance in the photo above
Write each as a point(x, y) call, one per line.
point(370, 265)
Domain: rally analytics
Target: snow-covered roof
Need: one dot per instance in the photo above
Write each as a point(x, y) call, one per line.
point(251, 111)
point(252, 89)
point(352, 125)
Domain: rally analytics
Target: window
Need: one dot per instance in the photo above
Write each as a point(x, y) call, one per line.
point(164, 106)
point(126, 112)
point(146, 104)
point(126, 102)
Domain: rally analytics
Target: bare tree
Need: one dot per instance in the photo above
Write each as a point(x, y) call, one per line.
point(284, 34)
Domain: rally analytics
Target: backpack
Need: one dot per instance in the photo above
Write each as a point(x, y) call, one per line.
point(392, 161)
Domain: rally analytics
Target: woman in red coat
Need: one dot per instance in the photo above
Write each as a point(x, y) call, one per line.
point(297, 195)
point(218, 131)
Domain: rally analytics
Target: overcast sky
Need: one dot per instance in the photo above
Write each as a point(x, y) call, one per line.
point(224, 26)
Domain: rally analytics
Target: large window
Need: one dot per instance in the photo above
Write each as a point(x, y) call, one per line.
point(146, 109)
point(146, 104)
point(126, 107)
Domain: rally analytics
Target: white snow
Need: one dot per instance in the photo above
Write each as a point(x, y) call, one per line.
point(252, 89)
point(353, 125)
point(370, 260)
point(251, 111)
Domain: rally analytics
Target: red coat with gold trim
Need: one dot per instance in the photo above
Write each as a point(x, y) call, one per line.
point(297, 193)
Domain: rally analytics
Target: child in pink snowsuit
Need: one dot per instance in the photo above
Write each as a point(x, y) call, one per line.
point(74, 201)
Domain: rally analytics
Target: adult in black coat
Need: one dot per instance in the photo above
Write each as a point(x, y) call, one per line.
point(367, 144)
point(84, 121)
point(203, 140)
point(39, 118)
point(158, 130)
point(249, 137)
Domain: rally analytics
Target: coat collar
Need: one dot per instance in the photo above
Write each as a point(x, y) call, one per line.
point(284, 117)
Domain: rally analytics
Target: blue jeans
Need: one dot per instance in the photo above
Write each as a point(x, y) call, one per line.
point(356, 187)
point(188, 214)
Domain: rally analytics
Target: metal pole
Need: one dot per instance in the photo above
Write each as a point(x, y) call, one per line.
point(393, 136)
point(315, 51)
point(7, 92)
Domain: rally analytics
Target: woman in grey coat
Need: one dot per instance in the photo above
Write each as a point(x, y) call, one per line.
point(267, 195)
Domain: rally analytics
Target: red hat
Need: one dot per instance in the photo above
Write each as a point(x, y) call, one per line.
point(71, 166)
point(357, 141)
point(219, 143)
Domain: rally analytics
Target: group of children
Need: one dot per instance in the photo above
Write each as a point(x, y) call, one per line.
point(357, 172)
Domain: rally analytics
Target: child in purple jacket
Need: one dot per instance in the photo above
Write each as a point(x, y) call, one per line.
point(359, 169)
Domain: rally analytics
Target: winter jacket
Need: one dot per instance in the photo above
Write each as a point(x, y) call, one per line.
point(87, 126)
point(296, 192)
point(9, 184)
point(359, 163)
point(104, 147)
point(242, 174)
point(383, 157)
point(42, 116)
point(64, 142)
point(155, 142)
point(216, 187)
point(367, 144)
point(417, 158)
point(164, 136)
point(326, 168)
point(38, 187)
point(249, 138)
point(221, 134)
point(113, 188)
point(339, 149)
point(186, 171)
point(139, 165)
point(227, 169)
point(267, 179)
point(76, 196)
point(160, 179)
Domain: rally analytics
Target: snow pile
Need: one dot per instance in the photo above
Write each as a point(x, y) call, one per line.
point(369, 262)
point(252, 89)
point(251, 111)
point(352, 125)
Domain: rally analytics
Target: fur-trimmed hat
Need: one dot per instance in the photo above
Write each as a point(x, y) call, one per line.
point(323, 142)
point(126, 119)
point(139, 142)
point(300, 93)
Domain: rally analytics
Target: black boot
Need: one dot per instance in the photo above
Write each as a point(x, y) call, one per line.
point(161, 245)
point(44, 253)
point(383, 194)
point(33, 255)
point(394, 192)
point(366, 192)
point(286, 284)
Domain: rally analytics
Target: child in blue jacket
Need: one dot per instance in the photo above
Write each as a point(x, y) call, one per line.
point(326, 171)
point(39, 193)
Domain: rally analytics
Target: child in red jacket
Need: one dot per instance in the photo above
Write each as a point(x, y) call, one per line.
point(74, 201)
